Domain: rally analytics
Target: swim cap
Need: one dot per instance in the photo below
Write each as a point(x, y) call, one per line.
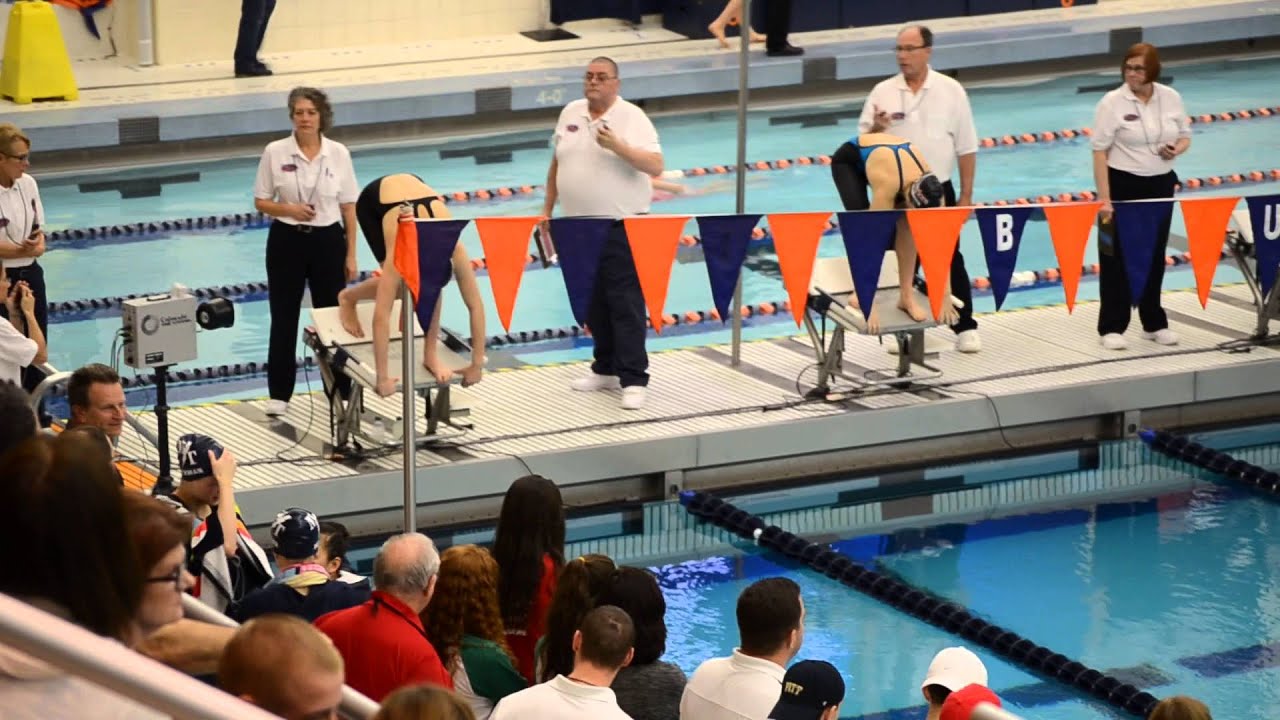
point(926, 192)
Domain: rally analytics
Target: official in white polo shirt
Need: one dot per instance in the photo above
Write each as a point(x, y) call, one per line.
point(21, 239)
point(1138, 130)
point(747, 684)
point(307, 184)
point(932, 111)
point(605, 152)
point(602, 645)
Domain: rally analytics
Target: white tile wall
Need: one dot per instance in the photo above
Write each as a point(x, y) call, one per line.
point(189, 31)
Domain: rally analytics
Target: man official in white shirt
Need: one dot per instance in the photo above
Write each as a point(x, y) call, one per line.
point(932, 111)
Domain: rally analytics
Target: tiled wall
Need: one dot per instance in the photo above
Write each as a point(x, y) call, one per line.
point(200, 30)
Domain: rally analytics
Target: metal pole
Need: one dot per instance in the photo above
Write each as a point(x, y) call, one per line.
point(146, 33)
point(744, 30)
point(407, 411)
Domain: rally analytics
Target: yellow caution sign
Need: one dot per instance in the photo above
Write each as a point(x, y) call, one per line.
point(36, 64)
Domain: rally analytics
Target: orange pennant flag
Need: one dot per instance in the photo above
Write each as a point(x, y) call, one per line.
point(936, 232)
point(406, 257)
point(1069, 226)
point(795, 240)
point(506, 252)
point(1206, 220)
point(654, 240)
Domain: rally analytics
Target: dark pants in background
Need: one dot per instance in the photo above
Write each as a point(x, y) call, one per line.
point(254, 16)
point(33, 276)
point(1116, 307)
point(960, 284)
point(777, 23)
point(298, 257)
point(617, 314)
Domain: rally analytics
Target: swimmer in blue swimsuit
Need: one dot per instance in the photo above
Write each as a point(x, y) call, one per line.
point(378, 212)
point(875, 162)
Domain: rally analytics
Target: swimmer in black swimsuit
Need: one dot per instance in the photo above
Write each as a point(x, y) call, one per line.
point(875, 162)
point(378, 212)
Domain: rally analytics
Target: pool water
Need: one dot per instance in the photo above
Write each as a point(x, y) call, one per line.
point(198, 259)
point(1178, 593)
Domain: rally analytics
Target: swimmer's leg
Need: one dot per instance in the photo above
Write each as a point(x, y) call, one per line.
point(366, 289)
point(905, 247)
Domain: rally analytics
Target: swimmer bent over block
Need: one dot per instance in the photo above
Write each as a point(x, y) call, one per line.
point(892, 169)
point(378, 212)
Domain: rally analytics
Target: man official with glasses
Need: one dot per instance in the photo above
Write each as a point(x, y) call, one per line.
point(605, 150)
point(932, 111)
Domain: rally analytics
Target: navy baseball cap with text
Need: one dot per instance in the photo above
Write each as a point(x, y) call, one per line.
point(808, 689)
point(193, 455)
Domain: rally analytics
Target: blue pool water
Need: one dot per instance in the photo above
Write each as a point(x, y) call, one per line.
point(197, 259)
point(1176, 593)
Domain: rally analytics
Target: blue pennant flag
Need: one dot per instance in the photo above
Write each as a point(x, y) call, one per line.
point(867, 235)
point(578, 243)
point(1138, 226)
point(1264, 216)
point(724, 245)
point(1001, 237)
point(436, 242)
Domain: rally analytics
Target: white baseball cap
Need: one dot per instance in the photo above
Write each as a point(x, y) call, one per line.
point(954, 668)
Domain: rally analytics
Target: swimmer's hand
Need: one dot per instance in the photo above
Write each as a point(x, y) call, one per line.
point(385, 387)
point(472, 374)
point(441, 372)
point(880, 120)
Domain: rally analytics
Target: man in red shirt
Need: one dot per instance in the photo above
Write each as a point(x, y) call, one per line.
point(382, 642)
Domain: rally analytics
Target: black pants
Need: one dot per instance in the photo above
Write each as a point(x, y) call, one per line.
point(960, 283)
point(1113, 316)
point(33, 276)
point(254, 16)
point(617, 315)
point(296, 260)
point(777, 23)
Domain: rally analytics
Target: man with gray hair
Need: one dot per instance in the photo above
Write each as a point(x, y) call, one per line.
point(382, 642)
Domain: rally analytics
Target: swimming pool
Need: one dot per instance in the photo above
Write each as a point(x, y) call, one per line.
point(95, 269)
point(1171, 588)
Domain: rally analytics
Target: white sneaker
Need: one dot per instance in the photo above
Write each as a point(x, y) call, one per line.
point(633, 397)
point(968, 342)
point(276, 408)
point(1114, 341)
point(1164, 336)
point(593, 382)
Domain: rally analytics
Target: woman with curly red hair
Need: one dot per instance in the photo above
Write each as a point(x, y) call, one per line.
point(464, 624)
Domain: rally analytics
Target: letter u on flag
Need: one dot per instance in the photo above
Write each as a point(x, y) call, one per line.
point(579, 242)
point(1001, 230)
point(724, 245)
point(506, 251)
point(1138, 226)
point(1264, 218)
point(867, 235)
point(654, 240)
point(425, 260)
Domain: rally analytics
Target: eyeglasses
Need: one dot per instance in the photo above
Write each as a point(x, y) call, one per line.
point(598, 77)
point(174, 577)
point(20, 158)
point(1135, 68)
point(908, 48)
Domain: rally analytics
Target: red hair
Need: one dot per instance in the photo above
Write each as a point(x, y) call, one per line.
point(1150, 60)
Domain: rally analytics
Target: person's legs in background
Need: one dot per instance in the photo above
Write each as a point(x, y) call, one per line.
point(1155, 323)
point(253, 27)
point(777, 23)
point(286, 280)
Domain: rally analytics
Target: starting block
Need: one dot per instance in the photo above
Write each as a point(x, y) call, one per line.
point(830, 293)
point(36, 64)
point(1240, 245)
point(347, 368)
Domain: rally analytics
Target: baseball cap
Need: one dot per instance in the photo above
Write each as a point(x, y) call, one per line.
point(193, 455)
point(296, 533)
point(808, 688)
point(954, 668)
point(961, 703)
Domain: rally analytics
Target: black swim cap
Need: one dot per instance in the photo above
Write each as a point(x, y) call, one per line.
point(926, 192)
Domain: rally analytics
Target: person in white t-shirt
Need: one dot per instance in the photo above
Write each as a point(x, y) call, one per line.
point(602, 645)
point(307, 185)
point(605, 153)
point(17, 350)
point(747, 684)
point(1138, 129)
point(931, 110)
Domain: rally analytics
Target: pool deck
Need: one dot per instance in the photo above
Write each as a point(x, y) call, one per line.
point(457, 86)
point(1040, 381)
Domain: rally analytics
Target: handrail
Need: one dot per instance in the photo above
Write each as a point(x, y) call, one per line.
point(355, 706)
point(109, 664)
point(52, 378)
point(987, 711)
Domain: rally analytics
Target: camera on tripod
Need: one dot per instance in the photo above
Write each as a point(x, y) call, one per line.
point(160, 330)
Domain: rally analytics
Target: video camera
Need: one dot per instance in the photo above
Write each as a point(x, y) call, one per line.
point(160, 330)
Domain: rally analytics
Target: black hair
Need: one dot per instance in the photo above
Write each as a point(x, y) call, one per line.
point(17, 420)
point(768, 610)
point(636, 591)
point(84, 378)
point(336, 539)
point(530, 525)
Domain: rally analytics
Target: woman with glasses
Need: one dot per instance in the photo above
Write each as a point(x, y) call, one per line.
point(307, 184)
point(159, 536)
point(22, 241)
point(1138, 130)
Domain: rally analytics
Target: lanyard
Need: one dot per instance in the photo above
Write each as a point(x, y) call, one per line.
point(1142, 120)
point(309, 198)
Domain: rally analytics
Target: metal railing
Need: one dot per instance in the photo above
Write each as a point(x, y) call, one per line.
point(987, 711)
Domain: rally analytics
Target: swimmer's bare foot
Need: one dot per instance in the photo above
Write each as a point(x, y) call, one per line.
point(873, 321)
point(717, 29)
point(909, 306)
point(347, 315)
